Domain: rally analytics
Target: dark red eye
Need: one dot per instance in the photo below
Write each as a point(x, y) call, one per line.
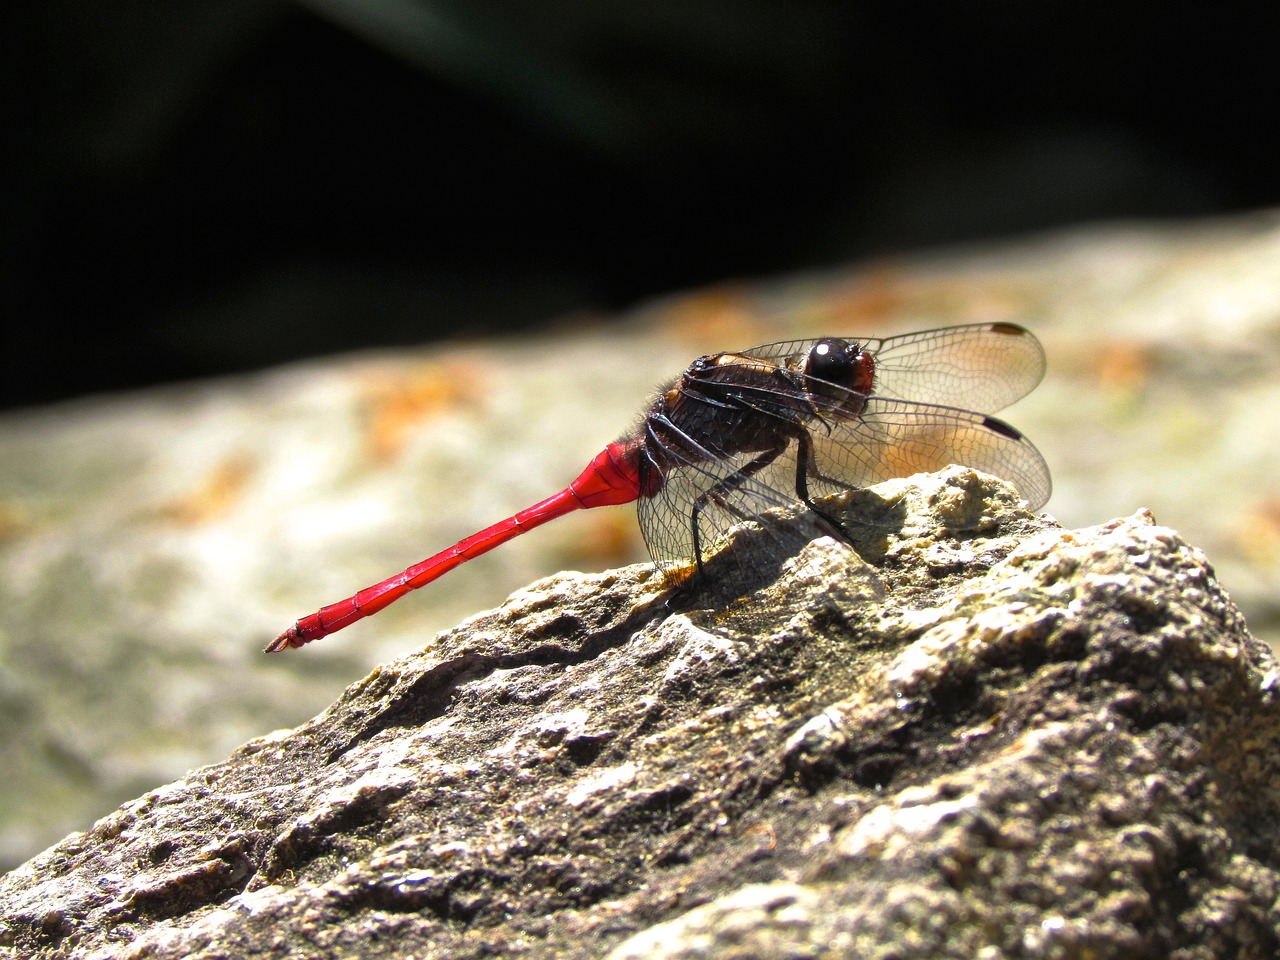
point(831, 361)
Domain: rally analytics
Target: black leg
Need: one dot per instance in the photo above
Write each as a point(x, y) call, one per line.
point(804, 466)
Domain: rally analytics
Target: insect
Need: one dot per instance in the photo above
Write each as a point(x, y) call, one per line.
point(740, 433)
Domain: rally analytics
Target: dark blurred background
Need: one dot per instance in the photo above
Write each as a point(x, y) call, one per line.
point(195, 188)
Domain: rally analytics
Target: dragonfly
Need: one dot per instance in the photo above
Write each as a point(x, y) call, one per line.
point(740, 434)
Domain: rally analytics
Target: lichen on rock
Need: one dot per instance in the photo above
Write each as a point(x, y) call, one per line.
point(972, 734)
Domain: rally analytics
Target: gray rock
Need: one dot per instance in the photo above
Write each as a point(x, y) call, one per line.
point(980, 735)
point(151, 543)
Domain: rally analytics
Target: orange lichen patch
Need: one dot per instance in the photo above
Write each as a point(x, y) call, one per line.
point(610, 540)
point(1125, 364)
point(395, 406)
point(1257, 534)
point(216, 494)
point(885, 298)
point(726, 316)
point(15, 520)
point(871, 297)
point(1119, 365)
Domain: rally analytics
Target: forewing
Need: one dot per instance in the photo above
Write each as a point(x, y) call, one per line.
point(898, 438)
point(978, 366)
point(982, 366)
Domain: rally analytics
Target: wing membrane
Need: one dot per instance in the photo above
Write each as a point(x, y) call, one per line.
point(892, 438)
point(690, 473)
point(897, 438)
point(929, 408)
point(978, 366)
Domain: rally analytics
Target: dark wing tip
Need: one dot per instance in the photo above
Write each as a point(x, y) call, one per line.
point(996, 425)
point(1037, 485)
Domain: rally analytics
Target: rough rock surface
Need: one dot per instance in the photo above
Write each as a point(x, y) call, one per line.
point(151, 543)
point(979, 735)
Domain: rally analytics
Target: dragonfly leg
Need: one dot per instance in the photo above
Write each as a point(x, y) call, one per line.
point(720, 492)
point(806, 466)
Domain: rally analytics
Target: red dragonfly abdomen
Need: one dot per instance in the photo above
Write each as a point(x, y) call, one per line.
point(613, 477)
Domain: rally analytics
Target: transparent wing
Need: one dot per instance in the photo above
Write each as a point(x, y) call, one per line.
point(898, 438)
point(892, 438)
point(983, 367)
point(691, 473)
point(929, 409)
point(980, 366)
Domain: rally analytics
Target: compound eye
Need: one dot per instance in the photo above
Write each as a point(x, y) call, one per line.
point(831, 361)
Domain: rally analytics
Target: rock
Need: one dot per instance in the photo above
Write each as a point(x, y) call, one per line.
point(151, 543)
point(978, 735)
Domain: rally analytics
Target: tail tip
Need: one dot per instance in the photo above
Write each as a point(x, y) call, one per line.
point(290, 638)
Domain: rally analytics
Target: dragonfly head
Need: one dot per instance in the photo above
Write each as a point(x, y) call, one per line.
point(839, 374)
